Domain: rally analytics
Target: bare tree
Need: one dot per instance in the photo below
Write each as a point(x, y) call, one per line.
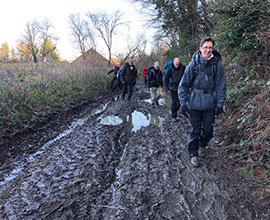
point(106, 26)
point(30, 38)
point(83, 36)
point(46, 36)
point(134, 50)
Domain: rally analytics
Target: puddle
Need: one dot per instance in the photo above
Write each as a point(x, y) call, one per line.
point(165, 101)
point(14, 173)
point(79, 122)
point(111, 120)
point(99, 109)
point(137, 120)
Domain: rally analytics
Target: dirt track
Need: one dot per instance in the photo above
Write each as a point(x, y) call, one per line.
point(120, 160)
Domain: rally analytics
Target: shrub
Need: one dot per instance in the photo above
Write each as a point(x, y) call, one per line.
point(28, 93)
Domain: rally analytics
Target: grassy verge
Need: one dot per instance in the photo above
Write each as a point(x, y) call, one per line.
point(28, 93)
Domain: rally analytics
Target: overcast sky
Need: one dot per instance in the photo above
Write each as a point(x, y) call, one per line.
point(16, 13)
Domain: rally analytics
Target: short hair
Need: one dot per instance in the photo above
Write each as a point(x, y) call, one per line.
point(205, 39)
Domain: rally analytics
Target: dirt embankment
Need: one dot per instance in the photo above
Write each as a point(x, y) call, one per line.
point(119, 160)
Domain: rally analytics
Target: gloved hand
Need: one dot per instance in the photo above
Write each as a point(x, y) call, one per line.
point(184, 110)
point(218, 111)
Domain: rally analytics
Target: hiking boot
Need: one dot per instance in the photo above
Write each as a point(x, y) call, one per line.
point(157, 104)
point(153, 105)
point(194, 161)
point(202, 152)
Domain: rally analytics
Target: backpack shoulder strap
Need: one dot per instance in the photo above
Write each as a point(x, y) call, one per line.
point(197, 67)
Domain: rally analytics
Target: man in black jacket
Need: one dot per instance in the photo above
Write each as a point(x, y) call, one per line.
point(202, 93)
point(128, 78)
point(154, 82)
point(171, 82)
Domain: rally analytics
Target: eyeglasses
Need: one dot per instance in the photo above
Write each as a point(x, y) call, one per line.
point(207, 48)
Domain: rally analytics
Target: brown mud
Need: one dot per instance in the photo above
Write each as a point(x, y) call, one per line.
point(117, 159)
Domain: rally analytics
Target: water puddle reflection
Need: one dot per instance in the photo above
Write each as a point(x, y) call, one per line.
point(79, 122)
point(137, 120)
point(111, 120)
point(100, 109)
point(165, 101)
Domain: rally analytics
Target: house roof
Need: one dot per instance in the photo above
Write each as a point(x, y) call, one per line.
point(92, 59)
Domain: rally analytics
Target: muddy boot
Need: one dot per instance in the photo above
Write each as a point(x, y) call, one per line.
point(194, 161)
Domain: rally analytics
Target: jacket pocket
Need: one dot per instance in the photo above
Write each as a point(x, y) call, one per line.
point(202, 101)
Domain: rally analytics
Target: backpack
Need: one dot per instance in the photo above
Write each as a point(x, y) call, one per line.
point(120, 71)
point(197, 70)
point(167, 66)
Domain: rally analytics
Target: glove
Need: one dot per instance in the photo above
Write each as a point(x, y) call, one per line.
point(184, 110)
point(218, 111)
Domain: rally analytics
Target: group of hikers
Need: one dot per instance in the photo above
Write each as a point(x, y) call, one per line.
point(199, 89)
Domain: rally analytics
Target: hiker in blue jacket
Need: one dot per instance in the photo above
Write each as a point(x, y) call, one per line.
point(202, 92)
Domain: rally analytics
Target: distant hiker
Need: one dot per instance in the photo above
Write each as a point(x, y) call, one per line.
point(202, 93)
point(118, 78)
point(171, 82)
point(128, 78)
point(114, 70)
point(154, 82)
point(144, 75)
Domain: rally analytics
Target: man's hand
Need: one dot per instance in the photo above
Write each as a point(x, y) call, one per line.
point(184, 110)
point(218, 111)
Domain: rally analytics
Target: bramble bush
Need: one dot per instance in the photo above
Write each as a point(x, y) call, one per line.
point(242, 34)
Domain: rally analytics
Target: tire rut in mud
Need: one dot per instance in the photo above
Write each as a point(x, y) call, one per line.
point(100, 171)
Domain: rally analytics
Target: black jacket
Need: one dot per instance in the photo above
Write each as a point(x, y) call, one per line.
point(154, 77)
point(173, 77)
point(114, 70)
point(129, 74)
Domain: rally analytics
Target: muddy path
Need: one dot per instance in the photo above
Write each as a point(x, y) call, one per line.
point(119, 160)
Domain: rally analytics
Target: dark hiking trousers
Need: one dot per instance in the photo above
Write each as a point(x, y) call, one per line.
point(112, 82)
point(118, 84)
point(127, 88)
point(201, 131)
point(175, 103)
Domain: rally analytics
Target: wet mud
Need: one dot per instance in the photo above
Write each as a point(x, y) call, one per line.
point(118, 160)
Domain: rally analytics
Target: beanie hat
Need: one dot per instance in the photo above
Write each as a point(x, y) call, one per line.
point(130, 61)
point(156, 64)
